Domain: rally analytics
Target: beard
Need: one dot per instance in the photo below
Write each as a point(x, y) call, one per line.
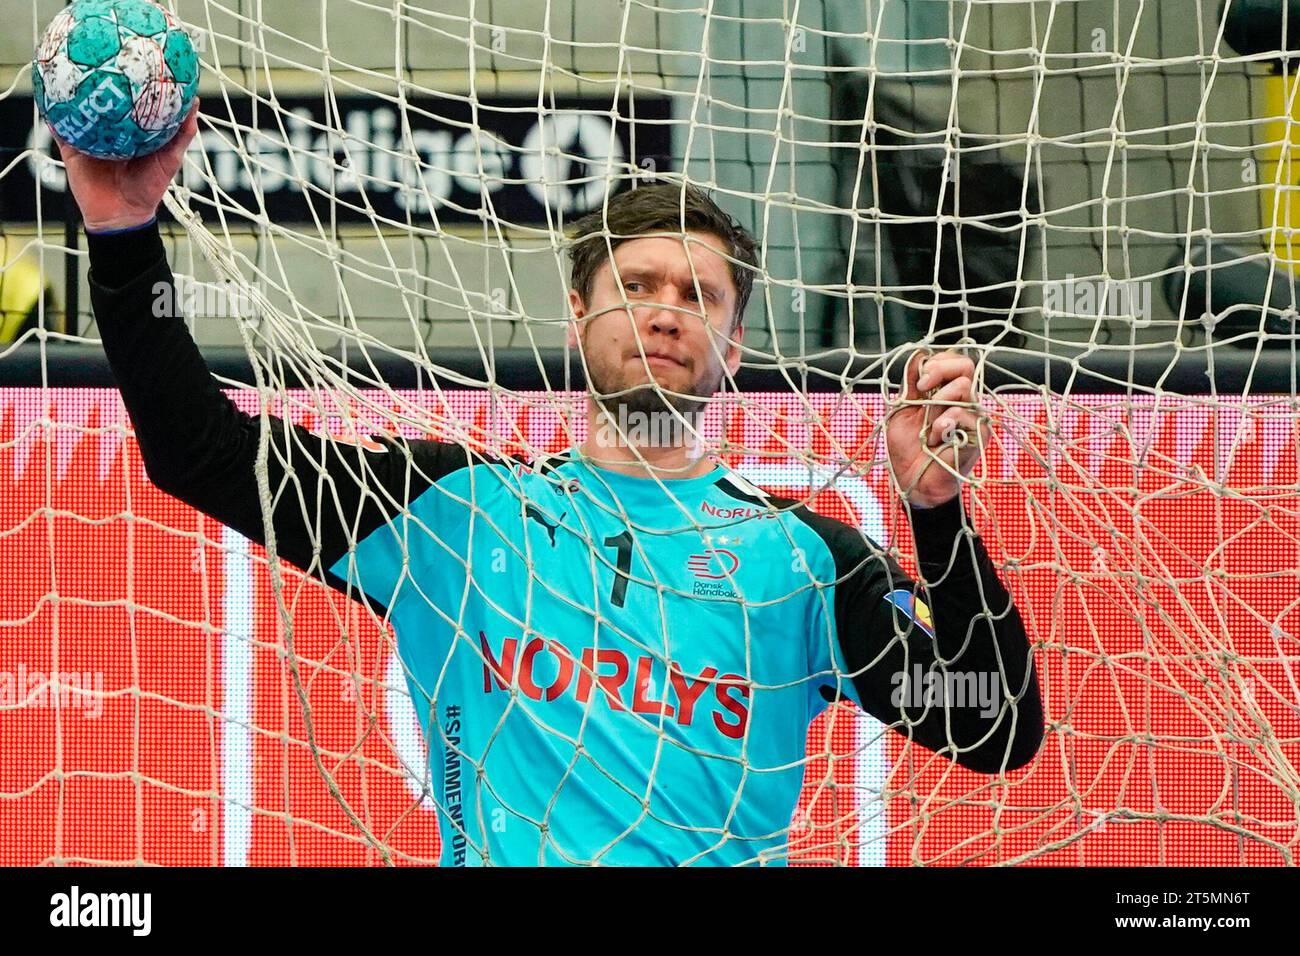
point(620, 392)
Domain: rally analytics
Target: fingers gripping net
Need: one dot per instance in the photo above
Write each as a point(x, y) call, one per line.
point(1057, 187)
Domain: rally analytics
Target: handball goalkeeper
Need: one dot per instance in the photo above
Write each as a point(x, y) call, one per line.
point(614, 652)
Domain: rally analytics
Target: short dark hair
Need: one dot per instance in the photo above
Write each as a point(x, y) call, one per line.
point(660, 207)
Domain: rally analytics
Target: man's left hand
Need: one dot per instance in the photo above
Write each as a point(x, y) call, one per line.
point(935, 430)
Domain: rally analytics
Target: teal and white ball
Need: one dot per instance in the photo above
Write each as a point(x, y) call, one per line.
point(115, 78)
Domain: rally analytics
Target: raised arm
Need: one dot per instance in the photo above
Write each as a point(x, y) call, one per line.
point(949, 666)
point(196, 445)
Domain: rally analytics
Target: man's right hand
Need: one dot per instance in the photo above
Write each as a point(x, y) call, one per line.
point(121, 194)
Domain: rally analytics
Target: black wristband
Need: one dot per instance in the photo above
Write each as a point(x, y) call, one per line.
point(119, 258)
point(935, 530)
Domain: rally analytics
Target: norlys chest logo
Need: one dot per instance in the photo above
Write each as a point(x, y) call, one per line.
point(545, 670)
point(739, 511)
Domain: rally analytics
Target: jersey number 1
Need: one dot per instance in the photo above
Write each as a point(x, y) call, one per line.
point(623, 542)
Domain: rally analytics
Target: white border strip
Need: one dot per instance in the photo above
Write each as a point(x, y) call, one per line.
point(237, 701)
point(871, 760)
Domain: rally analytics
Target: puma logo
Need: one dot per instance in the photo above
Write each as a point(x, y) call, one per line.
point(532, 511)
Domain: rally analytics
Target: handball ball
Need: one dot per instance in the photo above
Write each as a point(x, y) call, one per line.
point(115, 78)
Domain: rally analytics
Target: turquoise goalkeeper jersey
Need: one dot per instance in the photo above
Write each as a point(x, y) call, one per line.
point(607, 669)
point(610, 668)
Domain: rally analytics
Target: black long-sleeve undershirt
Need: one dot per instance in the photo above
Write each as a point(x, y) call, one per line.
point(198, 447)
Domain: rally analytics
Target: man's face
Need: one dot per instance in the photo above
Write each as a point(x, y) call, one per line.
point(673, 335)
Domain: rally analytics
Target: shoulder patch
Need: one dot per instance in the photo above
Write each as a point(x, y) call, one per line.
point(916, 610)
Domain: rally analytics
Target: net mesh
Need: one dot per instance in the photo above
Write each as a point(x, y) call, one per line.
point(376, 182)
